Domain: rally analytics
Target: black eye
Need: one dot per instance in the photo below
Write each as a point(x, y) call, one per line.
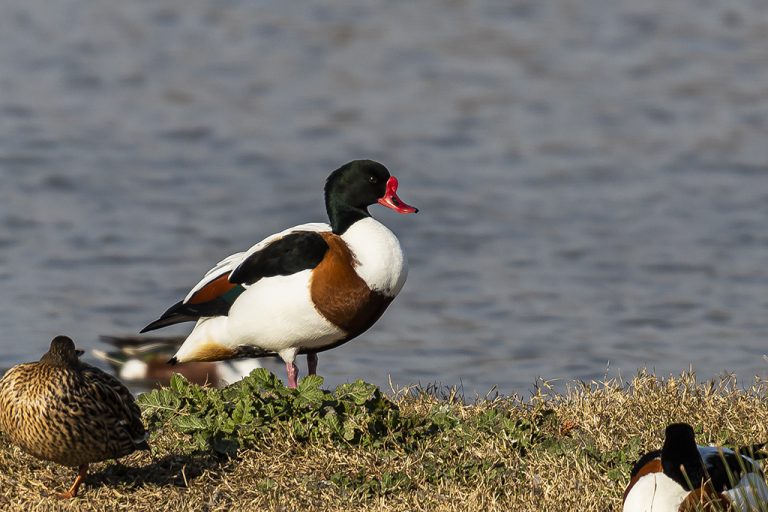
point(373, 179)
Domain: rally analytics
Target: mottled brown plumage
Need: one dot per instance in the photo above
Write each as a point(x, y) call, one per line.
point(69, 412)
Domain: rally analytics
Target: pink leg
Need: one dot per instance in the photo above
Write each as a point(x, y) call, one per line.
point(293, 373)
point(312, 363)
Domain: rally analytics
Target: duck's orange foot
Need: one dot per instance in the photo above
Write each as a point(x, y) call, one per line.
point(66, 495)
point(72, 492)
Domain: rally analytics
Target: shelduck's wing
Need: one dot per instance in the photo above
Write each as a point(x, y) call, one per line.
point(132, 345)
point(297, 251)
point(726, 467)
point(290, 251)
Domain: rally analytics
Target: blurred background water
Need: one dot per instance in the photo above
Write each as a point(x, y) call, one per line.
point(592, 174)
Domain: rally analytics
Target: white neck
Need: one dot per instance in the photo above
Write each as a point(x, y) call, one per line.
point(381, 261)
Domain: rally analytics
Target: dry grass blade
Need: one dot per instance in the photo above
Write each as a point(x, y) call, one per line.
point(413, 451)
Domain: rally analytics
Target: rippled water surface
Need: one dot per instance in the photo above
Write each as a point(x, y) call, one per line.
point(592, 174)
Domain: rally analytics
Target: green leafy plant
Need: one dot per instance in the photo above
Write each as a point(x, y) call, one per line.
point(243, 414)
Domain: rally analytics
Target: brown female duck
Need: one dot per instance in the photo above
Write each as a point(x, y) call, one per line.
point(69, 412)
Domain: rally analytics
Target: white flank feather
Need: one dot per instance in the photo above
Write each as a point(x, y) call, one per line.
point(751, 493)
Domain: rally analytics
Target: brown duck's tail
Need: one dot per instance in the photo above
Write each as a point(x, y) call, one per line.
point(142, 444)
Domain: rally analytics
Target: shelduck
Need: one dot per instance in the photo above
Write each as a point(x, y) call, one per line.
point(304, 290)
point(143, 361)
point(69, 412)
point(683, 477)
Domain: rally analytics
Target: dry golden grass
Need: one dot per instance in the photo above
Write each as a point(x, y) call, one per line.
point(550, 452)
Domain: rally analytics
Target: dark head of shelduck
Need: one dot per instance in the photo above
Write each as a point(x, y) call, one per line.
point(680, 457)
point(353, 187)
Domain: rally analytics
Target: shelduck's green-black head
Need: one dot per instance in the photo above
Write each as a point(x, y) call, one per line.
point(353, 187)
point(61, 353)
point(680, 456)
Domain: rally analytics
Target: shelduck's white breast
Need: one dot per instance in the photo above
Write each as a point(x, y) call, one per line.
point(381, 262)
point(655, 492)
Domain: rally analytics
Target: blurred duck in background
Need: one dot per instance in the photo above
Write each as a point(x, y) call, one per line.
point(143, 361)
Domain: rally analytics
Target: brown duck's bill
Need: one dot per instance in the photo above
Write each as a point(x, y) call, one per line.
point(390, 199)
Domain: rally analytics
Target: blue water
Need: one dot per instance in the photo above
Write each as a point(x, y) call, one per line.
point(592, 175)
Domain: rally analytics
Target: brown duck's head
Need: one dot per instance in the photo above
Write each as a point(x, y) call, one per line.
point(62, 352)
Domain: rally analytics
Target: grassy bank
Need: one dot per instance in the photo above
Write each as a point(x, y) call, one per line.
point(259, 446)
